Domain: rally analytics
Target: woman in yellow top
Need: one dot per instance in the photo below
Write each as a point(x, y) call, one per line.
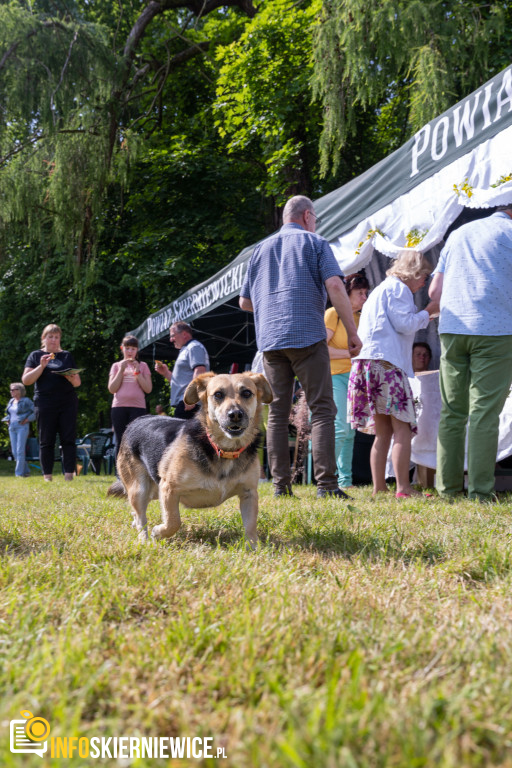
point(357, 288)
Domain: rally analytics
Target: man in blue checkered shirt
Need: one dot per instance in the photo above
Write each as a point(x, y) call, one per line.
point(286, 285)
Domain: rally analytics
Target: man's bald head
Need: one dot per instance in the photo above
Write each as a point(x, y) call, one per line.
point(295, 208)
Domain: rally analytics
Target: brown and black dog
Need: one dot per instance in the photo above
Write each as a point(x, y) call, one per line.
point(200, 462)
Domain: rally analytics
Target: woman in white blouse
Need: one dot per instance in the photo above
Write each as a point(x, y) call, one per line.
point(379, 395)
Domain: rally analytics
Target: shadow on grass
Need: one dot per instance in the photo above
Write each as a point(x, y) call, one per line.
point(14, 543)
point(338, 541)
point(345, 543)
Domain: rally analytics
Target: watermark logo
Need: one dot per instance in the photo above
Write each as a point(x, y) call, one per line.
point(29, 735)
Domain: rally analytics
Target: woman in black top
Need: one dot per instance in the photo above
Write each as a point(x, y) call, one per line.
point(55, 400)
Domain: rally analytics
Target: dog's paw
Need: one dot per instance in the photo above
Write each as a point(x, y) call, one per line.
point(156, 534)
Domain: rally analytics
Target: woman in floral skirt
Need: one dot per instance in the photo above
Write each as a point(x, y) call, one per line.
point(379, 394)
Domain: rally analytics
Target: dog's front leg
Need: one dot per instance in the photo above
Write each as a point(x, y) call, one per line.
point(249, 511)
point(138, 498)
point(140, 523)
point(170, 506)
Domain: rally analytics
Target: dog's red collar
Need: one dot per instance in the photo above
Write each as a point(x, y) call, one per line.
point(226, 454)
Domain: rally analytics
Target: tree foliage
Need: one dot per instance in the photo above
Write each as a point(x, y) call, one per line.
point(409, 57)
point(190, 211)
point(77, 97)
point(54, 132)
point(264, 95)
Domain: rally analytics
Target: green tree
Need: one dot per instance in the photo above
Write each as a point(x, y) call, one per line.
point(196, 210)
point(80, 88)
point(35, 291)
point(263, 103)
point(401, 61)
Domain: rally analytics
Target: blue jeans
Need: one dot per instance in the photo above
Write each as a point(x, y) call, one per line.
point(18, 434)
point(343, 432)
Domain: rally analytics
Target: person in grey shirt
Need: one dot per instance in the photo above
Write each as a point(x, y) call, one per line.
point(191, 362)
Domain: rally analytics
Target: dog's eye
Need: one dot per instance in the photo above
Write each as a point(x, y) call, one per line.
point(246, 393)
point(219, 396)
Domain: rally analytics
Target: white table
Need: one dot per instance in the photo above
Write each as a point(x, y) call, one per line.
point(425, 387)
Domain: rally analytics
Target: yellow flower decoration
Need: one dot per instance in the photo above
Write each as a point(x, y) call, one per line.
point(464, 188)
point(414, 237)
point(371, 233)
point(502, 180)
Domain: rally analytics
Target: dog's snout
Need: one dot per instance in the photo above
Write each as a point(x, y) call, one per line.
point(235, 415)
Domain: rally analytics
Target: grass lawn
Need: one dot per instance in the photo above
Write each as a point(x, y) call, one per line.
point(370, 634)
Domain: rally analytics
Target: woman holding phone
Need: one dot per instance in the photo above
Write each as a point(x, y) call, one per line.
point(129, 381)
point(53, 372)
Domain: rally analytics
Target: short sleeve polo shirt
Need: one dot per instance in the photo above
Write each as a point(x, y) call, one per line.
point(285, 283)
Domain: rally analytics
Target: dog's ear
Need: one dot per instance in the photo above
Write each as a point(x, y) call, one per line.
point(263, 386)
point(196, 388)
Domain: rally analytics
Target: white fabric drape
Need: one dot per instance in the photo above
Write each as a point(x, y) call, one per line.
point(426, 212)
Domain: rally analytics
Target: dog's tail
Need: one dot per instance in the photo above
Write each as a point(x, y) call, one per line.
point(117, 489)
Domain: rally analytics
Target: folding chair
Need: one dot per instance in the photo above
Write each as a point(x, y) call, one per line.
point(97, 444)
point(33, 453)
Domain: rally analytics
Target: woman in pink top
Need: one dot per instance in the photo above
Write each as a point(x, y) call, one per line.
point(129, 381)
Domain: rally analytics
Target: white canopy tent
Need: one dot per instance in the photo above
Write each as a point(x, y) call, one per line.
point(461, 159)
